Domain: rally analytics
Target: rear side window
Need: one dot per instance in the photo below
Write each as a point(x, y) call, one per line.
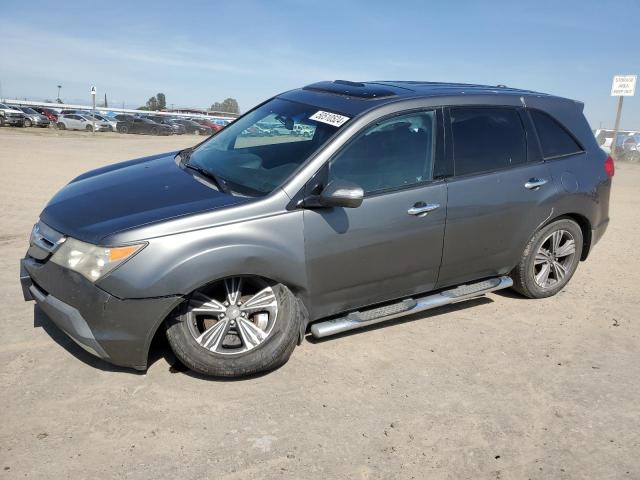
point(554, 139)
point(487, 139)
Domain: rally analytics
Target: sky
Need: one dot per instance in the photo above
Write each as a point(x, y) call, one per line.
point(199, 52)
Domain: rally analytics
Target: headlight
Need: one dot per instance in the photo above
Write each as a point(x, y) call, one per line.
point(92, 261)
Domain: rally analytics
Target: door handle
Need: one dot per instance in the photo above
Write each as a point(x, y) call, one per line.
point(535, 183)
point(421, 208)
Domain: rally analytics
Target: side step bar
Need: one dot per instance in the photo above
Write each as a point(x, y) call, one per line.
point(408, 306)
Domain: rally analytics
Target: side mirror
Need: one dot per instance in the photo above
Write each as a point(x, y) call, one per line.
point(341, 193)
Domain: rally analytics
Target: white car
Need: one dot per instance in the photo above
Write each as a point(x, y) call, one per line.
point(110, 120)
point(73, 121)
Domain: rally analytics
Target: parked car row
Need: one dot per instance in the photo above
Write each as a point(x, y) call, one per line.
point(69, 119)
point(627, 144)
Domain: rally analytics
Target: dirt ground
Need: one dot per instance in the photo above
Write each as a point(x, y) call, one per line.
point(496, 388)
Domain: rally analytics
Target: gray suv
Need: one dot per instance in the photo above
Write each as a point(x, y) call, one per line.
point(403, 196)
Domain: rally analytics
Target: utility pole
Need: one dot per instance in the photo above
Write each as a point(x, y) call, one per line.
point(623, 86)
point(93, 116)
point(616, 127)
point(59, 87)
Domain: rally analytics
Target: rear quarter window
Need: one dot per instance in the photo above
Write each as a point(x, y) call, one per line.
point(555, 140)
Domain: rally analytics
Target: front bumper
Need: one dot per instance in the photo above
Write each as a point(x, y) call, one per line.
point(116, 330)
point(14, 120)
point(40, 122)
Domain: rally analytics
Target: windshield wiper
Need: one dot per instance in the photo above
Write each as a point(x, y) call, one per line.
point(185, 154)
point(207, 174)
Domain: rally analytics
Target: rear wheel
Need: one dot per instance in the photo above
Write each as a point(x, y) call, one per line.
point(235, 327)
point(154, 131)
point(549, 260)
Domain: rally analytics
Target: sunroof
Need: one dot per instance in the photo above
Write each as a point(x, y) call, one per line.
point(351, 89)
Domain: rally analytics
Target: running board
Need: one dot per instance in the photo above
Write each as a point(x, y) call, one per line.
point(406, 307)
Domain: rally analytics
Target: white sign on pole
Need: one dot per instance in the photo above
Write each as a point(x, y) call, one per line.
point(623, 86)
point(93, 90)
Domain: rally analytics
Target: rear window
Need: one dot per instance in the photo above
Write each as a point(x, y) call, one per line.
point(554, 138)
point(487, 139)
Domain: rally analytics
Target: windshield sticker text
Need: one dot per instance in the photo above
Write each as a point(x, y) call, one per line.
point(329, 118)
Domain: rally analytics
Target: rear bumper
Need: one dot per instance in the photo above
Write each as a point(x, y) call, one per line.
point(118, 331)
point(598, 232)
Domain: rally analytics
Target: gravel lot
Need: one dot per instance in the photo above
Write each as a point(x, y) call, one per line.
point(497, 388)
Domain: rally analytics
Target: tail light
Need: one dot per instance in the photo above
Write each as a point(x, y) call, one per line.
point(609, 167)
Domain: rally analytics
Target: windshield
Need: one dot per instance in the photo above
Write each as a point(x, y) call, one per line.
point(257, 152)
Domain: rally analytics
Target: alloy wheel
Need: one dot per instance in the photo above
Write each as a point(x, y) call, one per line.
point(554, 259)
point(232, 316)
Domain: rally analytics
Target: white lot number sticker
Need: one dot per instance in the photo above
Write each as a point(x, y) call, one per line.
point(329, 118)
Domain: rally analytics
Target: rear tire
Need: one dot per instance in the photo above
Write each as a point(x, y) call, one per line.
point(549, 260)
point(272, 332)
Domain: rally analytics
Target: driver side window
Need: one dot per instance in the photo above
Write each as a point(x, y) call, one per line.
point(394, 153)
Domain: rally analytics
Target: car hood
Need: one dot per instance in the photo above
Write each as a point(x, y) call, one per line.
point(128, 195)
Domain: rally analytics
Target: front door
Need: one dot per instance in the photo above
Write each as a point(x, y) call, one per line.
point(391, 245)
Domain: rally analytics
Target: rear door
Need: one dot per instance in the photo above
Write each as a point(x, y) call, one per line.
point(390, 246)
point(498, 196)
point(139, 125)
point(74, 122)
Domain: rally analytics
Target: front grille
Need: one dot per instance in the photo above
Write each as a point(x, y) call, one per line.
point(44, 241)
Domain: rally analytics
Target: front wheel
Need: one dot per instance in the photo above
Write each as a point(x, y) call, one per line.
point(88, 128)
point(549, 260)
point(27, 123)
point(61, 126)
point(236, 327)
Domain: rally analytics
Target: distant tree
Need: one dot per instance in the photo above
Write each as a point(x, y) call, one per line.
point(161, 101)
point(227, 105)
point(152, 104)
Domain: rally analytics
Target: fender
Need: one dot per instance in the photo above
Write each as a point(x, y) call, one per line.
point(178, 264)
